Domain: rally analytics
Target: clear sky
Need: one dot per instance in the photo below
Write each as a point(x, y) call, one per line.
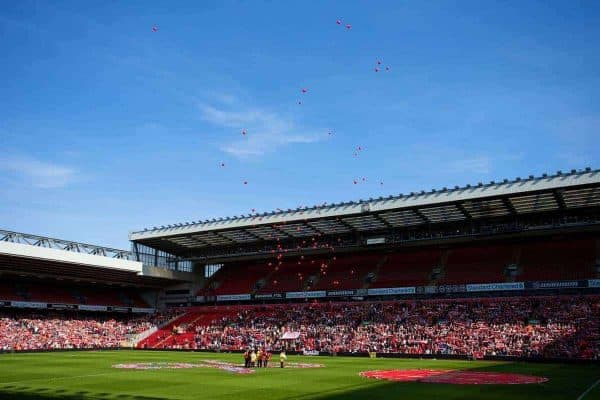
point(108, 125)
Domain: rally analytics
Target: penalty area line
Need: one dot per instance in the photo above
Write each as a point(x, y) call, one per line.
point(588, 390)
point(57, 378)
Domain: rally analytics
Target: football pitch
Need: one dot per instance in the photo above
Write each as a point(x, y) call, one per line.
point(151, 375)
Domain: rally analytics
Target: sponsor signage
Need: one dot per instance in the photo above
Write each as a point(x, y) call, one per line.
point(310, 353)
point(376, 240)
point(341, 293)
point(268, 296)
point(86, 307)
point(60, 306)
point(594, 283)
point(118, 309)
point(452, 288)
point(555, 285)
point(490, 287)
point(28, 304)
point(430, 289)
point(391, 291)
point(200, 299)
point(142, 310)
point(4, 303)
point(233, 297)
point(306, 295)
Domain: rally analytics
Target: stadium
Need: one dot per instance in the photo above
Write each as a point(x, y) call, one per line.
point(488, 284)
point(287, 200)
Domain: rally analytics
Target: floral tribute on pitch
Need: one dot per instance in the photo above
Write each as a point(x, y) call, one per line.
point(216, 364)
point(453, 377)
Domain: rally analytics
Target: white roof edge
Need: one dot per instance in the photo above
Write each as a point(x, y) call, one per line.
point(45, 253)
point(517, 186)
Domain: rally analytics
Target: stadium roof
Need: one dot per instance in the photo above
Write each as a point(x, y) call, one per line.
point(61, 244)
point(33, 255)
point(561, 191)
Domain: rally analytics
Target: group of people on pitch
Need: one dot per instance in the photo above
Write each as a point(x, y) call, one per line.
point(260, 358)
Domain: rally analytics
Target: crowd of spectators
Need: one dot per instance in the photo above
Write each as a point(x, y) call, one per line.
point(566, 327)
point(552, 327)
point(64, 330)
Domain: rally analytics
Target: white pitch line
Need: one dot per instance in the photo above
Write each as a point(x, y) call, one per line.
point(588, 390)
point(56, 379)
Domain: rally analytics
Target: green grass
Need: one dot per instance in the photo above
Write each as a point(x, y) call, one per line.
point(89, 375)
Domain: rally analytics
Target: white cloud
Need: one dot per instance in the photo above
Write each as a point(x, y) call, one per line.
point(39, 174)
point(266, 131)
point(477, 164)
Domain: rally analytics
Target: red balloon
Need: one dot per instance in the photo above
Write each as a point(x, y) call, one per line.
point(222, 164)
point(244, 132)
point(245, 182)
point(376, 69)
point(338, 22)
point(154, 29)
point(348, 26)
point(387, 68)
point(304, 90)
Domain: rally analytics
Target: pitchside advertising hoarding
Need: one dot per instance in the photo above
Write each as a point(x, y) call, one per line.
point(391, 291)
point(594, 283)
point(556, 285)
point(306, 295)
point(234, 297)
point(28, 304)
point(268, 296)
point(86, 307)
point(60, 306)
point(347, 293)
point(82, 307)
point(493, 287)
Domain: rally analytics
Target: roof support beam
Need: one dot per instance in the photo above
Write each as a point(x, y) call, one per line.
point(422, 216)
point(383, 221)
point(226, 238)
point(347, 225)
point(276, 228)
point(307, 226)
point(463, 210)
point(558, 196)
point(255, 236)
point(508, 204)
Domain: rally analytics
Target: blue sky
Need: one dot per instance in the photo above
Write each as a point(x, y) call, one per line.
point(107, 126)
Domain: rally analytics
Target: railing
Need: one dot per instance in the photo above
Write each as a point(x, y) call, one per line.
point(60, 244)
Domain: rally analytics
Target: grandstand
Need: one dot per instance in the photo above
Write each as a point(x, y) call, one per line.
point(512, 233)
point(518, 257)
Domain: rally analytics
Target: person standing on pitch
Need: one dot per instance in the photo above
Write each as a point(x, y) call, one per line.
point(253, 359)
point(247, 359)
point(282, 359)
point(259, 358)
